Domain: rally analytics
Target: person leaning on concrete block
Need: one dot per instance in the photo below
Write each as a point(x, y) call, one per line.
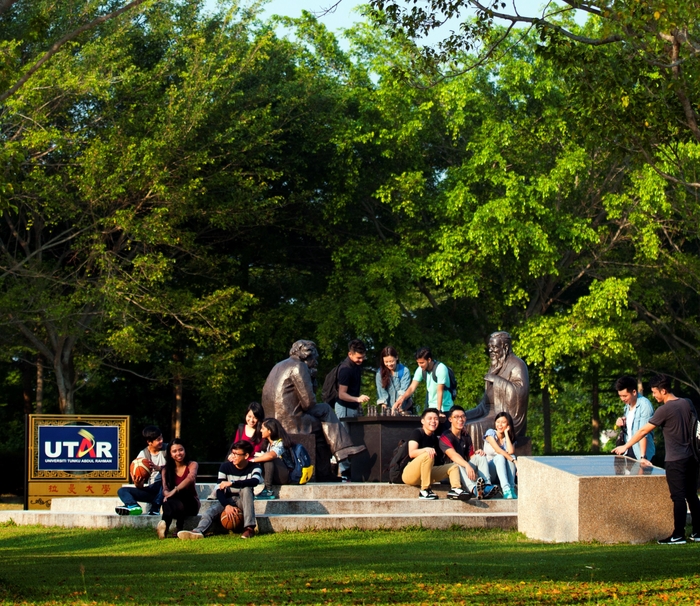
point(676, 417)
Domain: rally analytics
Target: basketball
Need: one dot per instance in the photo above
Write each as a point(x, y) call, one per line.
point(233, 520)
point(140, 471)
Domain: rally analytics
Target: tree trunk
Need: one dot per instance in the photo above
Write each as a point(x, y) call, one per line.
point(27, 386)
point(39, 384)
point(63, 370)
point(546, 420)
point(595, 415)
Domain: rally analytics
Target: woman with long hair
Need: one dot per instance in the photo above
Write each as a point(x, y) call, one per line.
point(180, 497)
point(277, 460)
point(250, 430)
point(499, 448)
point(392, 380)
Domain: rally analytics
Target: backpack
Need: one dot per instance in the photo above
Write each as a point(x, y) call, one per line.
point(302, 469)
point(330, 387)
point(452, 389)
point(399, 460)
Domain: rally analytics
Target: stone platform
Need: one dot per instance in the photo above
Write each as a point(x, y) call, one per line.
point(366, 506)
point(592, 498)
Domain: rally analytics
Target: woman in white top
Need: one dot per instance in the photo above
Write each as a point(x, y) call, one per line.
point(499, 448)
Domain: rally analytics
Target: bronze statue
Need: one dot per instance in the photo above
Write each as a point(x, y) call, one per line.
point(288, 396)
point(507, 389)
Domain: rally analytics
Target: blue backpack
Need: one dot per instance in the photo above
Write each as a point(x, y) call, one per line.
point(298, 461)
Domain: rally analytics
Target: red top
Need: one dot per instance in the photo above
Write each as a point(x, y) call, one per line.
point(191, 487)
point(241, 435)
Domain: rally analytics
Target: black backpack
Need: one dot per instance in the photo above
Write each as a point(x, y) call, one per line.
point(450, 375)
point(330, 387)
point(399, 460)
point(695, 433)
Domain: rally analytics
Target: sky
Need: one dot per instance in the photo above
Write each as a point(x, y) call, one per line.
point(343, 15)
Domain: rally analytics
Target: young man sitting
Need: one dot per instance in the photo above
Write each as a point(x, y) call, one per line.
point(457, 447)
point(150, 491)
point(426, 460)
point(237, 478)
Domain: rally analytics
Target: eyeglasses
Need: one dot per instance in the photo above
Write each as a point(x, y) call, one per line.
point(238, 454)
point(458, 417)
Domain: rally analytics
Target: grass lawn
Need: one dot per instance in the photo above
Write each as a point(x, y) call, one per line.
point(126, 566)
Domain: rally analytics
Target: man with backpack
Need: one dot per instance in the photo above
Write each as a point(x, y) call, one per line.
point(349, 392)
point(439, 381)
point(677, 418)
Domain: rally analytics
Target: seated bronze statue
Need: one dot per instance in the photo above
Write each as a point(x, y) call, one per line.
point(507, 389)
point(288, 396)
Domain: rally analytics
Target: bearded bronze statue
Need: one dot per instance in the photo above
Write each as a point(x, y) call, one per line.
point(288, 396)
point(507, 390)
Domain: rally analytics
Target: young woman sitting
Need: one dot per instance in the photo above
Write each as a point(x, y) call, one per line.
point(180, 497)
point(250, 430)
point(499, 448)
point(277, 459)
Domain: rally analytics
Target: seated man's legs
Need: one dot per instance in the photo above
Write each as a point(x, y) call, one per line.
point(245, 501)
point(481, 466)
point(419, 471)
point(451, 470)
point(209, 517)
point(131, 496)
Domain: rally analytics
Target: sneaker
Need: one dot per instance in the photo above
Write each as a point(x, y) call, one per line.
point(153, 512)
point(507, 494)
point(128, 510)
point(479, 488)
point(345, 479)
point(248, 533)
point(491, 491)
point(162, 529)
point(672, 541)
point(695, 537)
point(458, 494)
point(427, 495)
point(189, 535)
point(265, 495)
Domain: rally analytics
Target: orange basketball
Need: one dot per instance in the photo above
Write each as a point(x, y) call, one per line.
point(233, 520)
point(140, 471)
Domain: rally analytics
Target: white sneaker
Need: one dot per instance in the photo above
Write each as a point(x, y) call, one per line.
point(189, 535)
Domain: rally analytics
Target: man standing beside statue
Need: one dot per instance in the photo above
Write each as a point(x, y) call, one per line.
point(288, 396)
point(507, 390)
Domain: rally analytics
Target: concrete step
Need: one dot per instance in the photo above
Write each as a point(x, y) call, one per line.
point(313, 506)
point(368, 506)
point(275, 523)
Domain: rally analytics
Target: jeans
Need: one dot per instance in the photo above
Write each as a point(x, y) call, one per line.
point(481, 466)
point(275, 472)
point(682, 480)
point(148, 494)
point(243, 500)
point(504, 470)
point(344, 411)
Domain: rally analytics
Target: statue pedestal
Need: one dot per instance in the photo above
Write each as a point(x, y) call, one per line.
point(381, 436)
point(592, 498)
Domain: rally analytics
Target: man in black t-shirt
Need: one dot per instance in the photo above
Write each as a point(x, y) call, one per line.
point(677, 420)
point(457, 446)
point(426, 465)
point(349, 391)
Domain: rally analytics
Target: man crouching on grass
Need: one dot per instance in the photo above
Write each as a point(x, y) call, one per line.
point(237, 478)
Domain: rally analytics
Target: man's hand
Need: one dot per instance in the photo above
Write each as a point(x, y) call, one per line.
point(430, 451)
point(620, 450)
point(480, 452)
point(228, 509)
point(620, 422)
point(223, 485)
point(471, 474)
point(362, 399)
